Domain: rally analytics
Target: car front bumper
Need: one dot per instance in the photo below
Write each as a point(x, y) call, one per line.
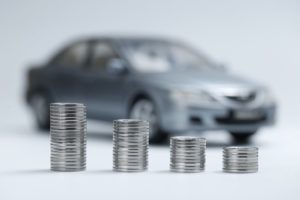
point(177, 119)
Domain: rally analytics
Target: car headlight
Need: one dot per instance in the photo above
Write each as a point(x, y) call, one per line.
point(200, 98)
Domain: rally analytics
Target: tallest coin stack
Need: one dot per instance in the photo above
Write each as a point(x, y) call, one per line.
point(68, 136)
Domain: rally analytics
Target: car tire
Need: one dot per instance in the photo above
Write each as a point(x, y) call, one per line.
point(40, 104)
point(145, 109)
point(242, 137)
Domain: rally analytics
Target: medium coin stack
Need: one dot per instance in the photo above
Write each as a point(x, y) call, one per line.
point(68, 136)
point(240, 159)
point(187, 154)
point(130, 145)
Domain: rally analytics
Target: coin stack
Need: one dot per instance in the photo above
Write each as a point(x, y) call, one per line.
point(240, 159)
point(187, 154)
point(130, 145)
point(68, 136)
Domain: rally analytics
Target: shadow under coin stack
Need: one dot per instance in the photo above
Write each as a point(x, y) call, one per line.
point(187, 154)
point(131, 141)
point(240, 159)
point(68, 136)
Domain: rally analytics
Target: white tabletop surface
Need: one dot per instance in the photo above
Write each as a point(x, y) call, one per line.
point(25, 174)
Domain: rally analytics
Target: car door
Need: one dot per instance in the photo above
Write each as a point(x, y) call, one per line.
point(68, 83)
point(107, 90)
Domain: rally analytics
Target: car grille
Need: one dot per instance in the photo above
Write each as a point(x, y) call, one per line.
point(229, 119)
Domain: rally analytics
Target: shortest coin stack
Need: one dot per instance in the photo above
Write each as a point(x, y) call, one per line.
point(240, 159)
point(187, 154)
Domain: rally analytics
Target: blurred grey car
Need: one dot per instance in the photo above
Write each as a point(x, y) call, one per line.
point(173, 86)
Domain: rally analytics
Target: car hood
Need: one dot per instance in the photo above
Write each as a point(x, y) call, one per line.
point(198, 80)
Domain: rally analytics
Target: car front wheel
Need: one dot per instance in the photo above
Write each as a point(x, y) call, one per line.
point(145, 109)
point(242, 137)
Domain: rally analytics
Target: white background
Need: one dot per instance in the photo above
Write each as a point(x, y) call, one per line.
point(256, 39)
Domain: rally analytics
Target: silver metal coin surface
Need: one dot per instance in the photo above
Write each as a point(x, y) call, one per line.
point(130, 145)
point(68, 136)
point(187, 154)
point(240, 159)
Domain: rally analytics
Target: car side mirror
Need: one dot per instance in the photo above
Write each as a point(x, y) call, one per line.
point(116, 66)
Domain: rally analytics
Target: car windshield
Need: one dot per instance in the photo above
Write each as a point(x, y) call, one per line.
point(156, 56)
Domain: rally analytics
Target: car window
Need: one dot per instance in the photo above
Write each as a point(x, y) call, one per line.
point(75, 56)
point(102, 53)
point(158, 56)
